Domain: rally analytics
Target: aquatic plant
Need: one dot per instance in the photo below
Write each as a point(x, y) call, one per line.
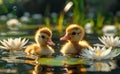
point(116, 23)
point(60, 23)
point(13, 44)
point(36, 18)
point(60, 61)
point(88, 28)
point(13, 24)
point(78, 12)
point(25, 19)
point(61, 17)
point(100, 53)
point(47, 22)
point(54, 17)
point(109, 30)
point(99, 23)
point(3, 19)
point(109, 41)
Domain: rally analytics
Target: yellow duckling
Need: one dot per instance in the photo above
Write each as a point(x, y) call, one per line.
point(74, 35)
point(41, 47)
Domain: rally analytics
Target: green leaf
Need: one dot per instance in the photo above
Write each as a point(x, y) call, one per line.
point(60, 61)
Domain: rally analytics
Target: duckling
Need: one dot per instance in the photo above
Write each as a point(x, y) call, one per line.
point(42, 46)
point(74, 35)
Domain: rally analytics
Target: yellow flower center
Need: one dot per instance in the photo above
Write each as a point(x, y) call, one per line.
point(98, 53)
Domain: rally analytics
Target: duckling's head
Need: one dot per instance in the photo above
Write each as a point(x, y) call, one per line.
point(43, 36)
point(74, 33)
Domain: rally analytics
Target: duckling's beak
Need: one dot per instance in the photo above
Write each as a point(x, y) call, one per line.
point(50, 42)
point(64, 38)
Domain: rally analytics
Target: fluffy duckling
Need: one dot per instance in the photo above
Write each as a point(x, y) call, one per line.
point(74, 35)
point(43, 40)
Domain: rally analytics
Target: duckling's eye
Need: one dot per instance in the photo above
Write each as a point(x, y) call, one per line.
point(42, 36)
point(73, 33)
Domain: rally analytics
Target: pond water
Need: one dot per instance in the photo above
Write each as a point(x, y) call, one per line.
point(18, 63)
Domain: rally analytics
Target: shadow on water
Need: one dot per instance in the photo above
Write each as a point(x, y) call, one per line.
point(20, 64)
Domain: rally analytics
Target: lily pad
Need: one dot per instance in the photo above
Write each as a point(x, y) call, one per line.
point(60, 61)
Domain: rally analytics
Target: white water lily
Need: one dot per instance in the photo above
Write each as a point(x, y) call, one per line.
point(109, 30)
point(36, 16)
point(99, 53)
point(13, 24)
point(110, 41)
point(13, 44)
point(88, 28)
point(24, 19)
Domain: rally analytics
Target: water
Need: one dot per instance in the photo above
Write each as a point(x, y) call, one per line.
point(20, 64)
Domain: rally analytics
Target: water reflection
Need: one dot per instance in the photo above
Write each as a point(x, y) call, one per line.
point(104, 65)
point(8, 71)
point(49, 69)
point(31, 67)
point(52, 68)
point(59, 65)
point(38, 69)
